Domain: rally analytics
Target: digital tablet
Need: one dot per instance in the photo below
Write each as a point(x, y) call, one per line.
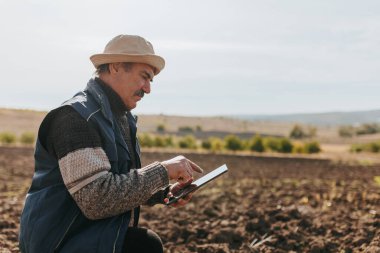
point(198, 183)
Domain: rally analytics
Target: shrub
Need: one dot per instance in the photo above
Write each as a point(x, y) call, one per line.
point(257, 144)
point(7, 137)
point(312, 147)
point(232, 142)
point(188, 142)
point(27, 138)
point(356, 148)
point(272, 144)
point(282, 145)
point(285, 146)
point(186, 129)
point(159, 141)
point(206, 144)
point(346, 131)
point(198, 128)
point(368, 129)
point(161, 128)
point(169, 141)
point(216, 144)
point(146, 140)
point(298, 148)
point(373, 147)
point(297, 132)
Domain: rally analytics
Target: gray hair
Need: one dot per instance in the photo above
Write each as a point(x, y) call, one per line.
point(104, 68)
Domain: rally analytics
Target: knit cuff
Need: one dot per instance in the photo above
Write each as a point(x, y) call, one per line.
point(157, 174)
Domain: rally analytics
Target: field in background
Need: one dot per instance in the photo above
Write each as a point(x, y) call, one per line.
point(270, 202)
point(333, 146)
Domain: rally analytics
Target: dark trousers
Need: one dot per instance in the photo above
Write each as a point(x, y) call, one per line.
point(142, 240)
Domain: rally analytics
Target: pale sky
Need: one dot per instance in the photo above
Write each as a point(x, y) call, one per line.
point(222, 57)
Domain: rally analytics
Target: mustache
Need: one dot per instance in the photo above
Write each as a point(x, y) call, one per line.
point(140, 93)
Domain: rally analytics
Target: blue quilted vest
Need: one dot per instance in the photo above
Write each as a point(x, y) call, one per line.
point(51, 221)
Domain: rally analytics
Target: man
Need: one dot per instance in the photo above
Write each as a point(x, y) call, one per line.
point(87, 188)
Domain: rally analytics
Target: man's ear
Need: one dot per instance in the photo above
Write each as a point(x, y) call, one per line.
point(114, 67)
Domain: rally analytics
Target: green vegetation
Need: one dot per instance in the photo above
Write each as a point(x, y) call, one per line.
point(364, 129)
point(272, 144)
point(230, 143)
point(377, 180)
point(346, 131)
point(188, 142)
point(285, 146)
point(312, 147)
point(298, 148)
point(161, 128)
point(281, 145)
point(216, 144)
point(11, 138)
point(212, 144)
point(146, 140)
point(159, 141)
point(373, 147)
point(368, 129)
point(27, 138)
point(185, 129)
point(257, 144)
point(298, 132)
point(206, 144)
point(7, 138)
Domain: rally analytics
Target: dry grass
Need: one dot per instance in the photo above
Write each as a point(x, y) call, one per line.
point(20, 121)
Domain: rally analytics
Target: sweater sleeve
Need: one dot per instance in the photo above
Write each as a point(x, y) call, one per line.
point(85, 169)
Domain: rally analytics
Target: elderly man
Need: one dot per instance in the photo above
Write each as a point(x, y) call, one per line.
point(88, 184)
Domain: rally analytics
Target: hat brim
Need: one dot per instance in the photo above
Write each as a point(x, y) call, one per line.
point(153, 60)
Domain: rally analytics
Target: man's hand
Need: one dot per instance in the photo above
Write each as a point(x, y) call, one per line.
point(181, 169)
point(174, 189)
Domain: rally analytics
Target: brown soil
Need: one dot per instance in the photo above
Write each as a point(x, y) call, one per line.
point(263, 204)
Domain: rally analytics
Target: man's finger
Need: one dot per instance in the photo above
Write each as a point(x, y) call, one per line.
point(181, 202)
point(188, 197)
point(195, 167)
point(182, 181)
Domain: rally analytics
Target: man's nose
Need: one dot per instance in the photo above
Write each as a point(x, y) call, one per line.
point(146, 87)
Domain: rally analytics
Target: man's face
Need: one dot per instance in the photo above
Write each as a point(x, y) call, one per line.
point(132, 84)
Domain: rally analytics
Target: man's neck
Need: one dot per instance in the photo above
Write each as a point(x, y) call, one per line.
point(117, 105)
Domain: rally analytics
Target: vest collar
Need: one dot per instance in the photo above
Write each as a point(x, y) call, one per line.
point(100, 97)
point(96, 90)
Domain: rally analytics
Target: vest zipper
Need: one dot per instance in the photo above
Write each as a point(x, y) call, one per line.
point(71, 223)
point(117, 235)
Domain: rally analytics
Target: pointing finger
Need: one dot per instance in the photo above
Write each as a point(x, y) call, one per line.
point(195, 167)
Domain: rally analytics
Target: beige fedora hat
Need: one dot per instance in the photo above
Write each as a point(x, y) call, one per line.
point(129, 48)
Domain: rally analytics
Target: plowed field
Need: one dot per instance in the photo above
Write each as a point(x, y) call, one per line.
point(263, 204)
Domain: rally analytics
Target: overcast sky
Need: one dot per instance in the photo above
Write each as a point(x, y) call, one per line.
point(222, 57)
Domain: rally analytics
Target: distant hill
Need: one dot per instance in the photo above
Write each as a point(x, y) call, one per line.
point(19, 121)
point(321, 119)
